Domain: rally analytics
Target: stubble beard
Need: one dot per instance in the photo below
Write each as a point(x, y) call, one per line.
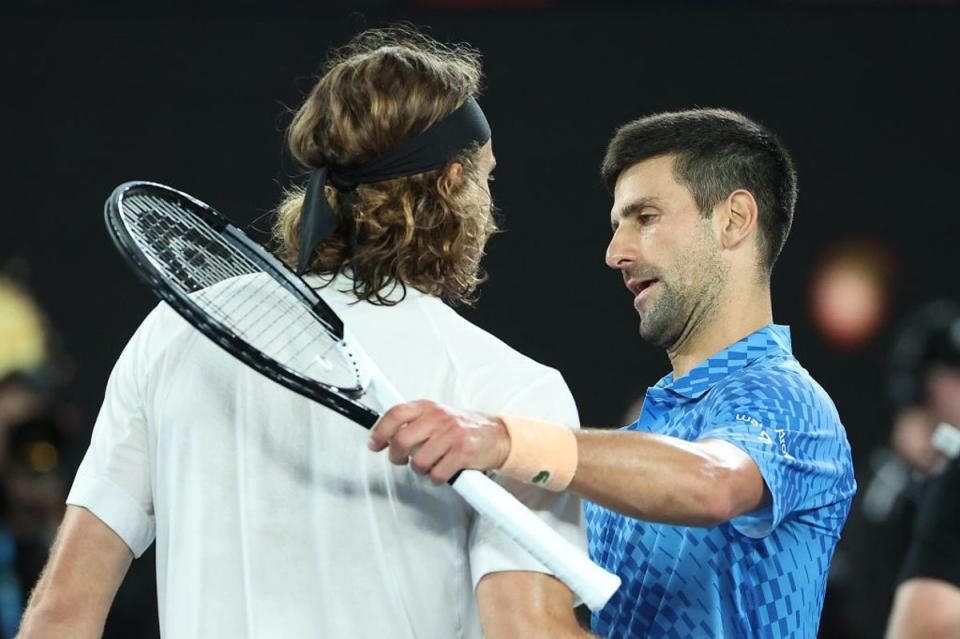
point(659, 325)
point(686, 303)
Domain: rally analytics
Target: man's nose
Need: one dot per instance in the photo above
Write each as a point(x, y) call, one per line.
point(619, 254)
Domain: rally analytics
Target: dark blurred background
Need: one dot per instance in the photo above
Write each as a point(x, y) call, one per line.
point(197, 94)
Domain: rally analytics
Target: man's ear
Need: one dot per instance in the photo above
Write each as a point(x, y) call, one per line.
point(454, 172)
point(739, 219)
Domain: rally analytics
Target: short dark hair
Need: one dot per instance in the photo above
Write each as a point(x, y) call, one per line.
point(717, 152)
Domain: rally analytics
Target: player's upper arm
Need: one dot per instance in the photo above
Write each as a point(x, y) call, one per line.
point(526, 604)
point(789, 427)
point(86, 566)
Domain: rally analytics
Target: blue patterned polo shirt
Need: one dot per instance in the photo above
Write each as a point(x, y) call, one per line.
point(764, 573)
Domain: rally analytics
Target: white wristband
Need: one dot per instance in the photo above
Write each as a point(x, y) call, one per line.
point(540, 454)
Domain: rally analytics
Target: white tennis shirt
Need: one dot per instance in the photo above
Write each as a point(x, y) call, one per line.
point(271, 517)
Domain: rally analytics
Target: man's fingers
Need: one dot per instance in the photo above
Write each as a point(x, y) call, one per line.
point(398, 455)
point(410, 436)
point(426, 457)
point(438, 441)
point(392, 421)
point(446, 468)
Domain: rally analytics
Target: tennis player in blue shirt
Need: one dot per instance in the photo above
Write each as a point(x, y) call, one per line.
point(720, 508)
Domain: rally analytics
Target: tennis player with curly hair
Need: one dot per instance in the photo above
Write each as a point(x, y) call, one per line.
point(270, 516)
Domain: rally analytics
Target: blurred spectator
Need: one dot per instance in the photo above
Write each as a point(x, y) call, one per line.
point(925, 383)
point(924, 386)
point(927, 602)
point(22, 349)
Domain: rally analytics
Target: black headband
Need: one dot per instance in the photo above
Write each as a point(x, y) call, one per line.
point(427, 150)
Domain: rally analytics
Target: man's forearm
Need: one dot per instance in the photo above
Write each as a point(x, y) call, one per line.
point(49, 614)
point(643, 475)
point(665, 479)
point(42, 622)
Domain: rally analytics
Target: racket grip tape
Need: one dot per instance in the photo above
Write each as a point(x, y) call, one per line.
point(591, 583)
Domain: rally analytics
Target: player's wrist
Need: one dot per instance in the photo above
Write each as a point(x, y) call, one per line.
point(539, 453)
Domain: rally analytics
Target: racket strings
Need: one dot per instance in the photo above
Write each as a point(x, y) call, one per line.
point(251, 296)
point(234, 290)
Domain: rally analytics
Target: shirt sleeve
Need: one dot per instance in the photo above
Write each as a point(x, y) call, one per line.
point(113, 481)
point(791, 430)
point(935, 548)
point(491, 550)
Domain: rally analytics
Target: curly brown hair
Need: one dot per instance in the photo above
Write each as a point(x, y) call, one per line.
point(426, 231)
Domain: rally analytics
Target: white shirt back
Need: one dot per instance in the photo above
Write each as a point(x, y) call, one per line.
point(271, 516)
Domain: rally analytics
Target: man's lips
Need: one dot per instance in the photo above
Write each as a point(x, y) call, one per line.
point(639, 286)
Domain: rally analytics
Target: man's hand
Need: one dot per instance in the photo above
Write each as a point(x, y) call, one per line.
point(439, 441)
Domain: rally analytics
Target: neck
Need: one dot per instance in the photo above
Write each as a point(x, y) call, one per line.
point(738, 313)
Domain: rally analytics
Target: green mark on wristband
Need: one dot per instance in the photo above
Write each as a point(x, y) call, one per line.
point(542, 477)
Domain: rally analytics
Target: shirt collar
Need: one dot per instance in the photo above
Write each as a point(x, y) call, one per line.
point(772, 338)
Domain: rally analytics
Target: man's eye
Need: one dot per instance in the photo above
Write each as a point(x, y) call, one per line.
point(646, 218)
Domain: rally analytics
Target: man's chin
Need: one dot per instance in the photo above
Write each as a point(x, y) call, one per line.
point(654, 333)
point(647, 332)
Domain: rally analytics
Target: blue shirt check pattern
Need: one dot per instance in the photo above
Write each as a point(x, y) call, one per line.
point(763, 574)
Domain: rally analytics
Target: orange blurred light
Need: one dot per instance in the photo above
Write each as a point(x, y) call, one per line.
point(850, 294)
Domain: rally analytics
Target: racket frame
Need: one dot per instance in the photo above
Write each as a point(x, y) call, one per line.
point(336, 398)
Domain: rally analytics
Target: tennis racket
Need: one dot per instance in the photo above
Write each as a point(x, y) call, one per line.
point(243, 298)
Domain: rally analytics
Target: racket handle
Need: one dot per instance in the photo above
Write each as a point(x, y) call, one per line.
point(569, 564)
